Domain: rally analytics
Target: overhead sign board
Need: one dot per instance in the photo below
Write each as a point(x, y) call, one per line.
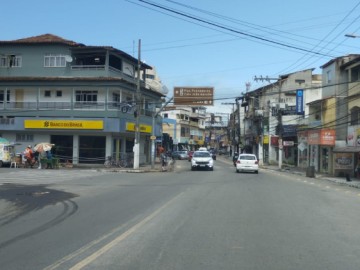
point(195, 96)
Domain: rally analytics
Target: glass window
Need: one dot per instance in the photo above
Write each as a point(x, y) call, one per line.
point(86, 96)
point(24, 137)
point(355, 116)
point(59, 93)
point(2, 96)
point(10, 61)
point(54, 60)
point(47, 93)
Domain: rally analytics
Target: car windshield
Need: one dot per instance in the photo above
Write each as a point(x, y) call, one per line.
point(201, 154)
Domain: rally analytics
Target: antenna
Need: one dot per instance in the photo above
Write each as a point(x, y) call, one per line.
point(68, 58)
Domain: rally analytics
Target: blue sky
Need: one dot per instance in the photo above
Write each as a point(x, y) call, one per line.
point(222, 44)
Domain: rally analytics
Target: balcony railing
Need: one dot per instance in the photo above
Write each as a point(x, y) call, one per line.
point(85, 106)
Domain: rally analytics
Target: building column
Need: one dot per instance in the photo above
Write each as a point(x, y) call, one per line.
point(76, 149)
point(108, 146)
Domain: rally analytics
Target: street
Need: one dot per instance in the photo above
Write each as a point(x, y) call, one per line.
point(89, 219)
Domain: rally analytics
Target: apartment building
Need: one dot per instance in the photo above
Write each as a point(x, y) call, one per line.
point(185, 125)
point(80, 98)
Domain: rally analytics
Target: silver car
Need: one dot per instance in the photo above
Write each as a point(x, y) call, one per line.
point(247, 163)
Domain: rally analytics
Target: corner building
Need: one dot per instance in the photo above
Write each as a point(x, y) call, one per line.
point(80, 98)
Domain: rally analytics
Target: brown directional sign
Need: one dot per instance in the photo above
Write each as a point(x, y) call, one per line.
point(196, 96)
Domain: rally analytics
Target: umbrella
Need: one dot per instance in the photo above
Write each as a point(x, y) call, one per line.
point(43, 147)
point(3, 140)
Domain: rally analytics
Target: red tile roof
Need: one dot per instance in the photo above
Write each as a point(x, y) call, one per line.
point(46, 38)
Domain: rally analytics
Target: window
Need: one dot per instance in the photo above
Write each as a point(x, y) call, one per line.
point(166, 115)
point(54, 60)
point(47, 93)
point(2, 96)
point(10, 61)
point(86, 96)
point(24, 137)
point(328, 76)
point(355, 116)
point(59, 93)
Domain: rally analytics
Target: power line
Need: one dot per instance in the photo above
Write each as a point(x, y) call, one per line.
point(233, 30)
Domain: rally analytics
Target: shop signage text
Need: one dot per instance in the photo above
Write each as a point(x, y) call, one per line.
point(63, 124)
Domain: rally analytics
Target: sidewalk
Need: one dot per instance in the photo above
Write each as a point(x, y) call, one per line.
point(299, 171)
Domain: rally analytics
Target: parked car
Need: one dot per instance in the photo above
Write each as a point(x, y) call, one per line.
point(180, 155)
point(202, 159)
point(247, 163)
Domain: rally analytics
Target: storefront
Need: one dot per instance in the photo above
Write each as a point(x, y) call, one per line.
point(320, 143)
point(346, 160)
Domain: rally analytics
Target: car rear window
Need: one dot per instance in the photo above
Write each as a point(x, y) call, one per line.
point(247, 157)
point(201, 154)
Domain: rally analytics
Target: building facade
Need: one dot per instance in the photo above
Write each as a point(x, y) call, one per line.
point(80, 98)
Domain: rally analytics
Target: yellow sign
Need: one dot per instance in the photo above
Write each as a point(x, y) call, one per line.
point(266, 139)
point(64, 124)
point(143, 128)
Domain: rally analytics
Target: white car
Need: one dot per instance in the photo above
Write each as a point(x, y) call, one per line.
point(202, 159)
point(247, 163)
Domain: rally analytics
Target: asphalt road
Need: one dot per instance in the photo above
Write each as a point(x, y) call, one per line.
point(176, 220)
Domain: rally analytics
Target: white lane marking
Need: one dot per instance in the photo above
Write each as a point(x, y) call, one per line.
point(111, 244)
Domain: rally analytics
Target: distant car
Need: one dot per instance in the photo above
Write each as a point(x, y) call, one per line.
point(180, 155)
point(202, 159)
point(247, 163)
point(202, 149)
point(222, 152)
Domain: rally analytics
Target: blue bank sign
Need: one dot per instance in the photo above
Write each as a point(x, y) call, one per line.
point(300, 101)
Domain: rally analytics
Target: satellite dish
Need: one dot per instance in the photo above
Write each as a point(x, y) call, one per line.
point(164, 90)
point(68, 58)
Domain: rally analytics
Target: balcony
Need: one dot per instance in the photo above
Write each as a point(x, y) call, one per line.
point(76, 106)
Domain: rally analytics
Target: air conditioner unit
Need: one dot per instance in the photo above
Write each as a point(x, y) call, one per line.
point(259, 112)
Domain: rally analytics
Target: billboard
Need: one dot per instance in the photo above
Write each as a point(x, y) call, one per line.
point(196, 96)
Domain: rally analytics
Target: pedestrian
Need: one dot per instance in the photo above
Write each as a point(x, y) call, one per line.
point(29, 155)
point(163, 161)
point(37, 158)
point(49, 159)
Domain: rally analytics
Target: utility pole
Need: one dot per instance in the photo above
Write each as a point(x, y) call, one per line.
point(153, 133)
point(232, 125)
point(268, 79)
point(136, 149)
point(239, 115)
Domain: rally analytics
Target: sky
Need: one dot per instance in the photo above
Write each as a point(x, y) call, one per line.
point(200, 43)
